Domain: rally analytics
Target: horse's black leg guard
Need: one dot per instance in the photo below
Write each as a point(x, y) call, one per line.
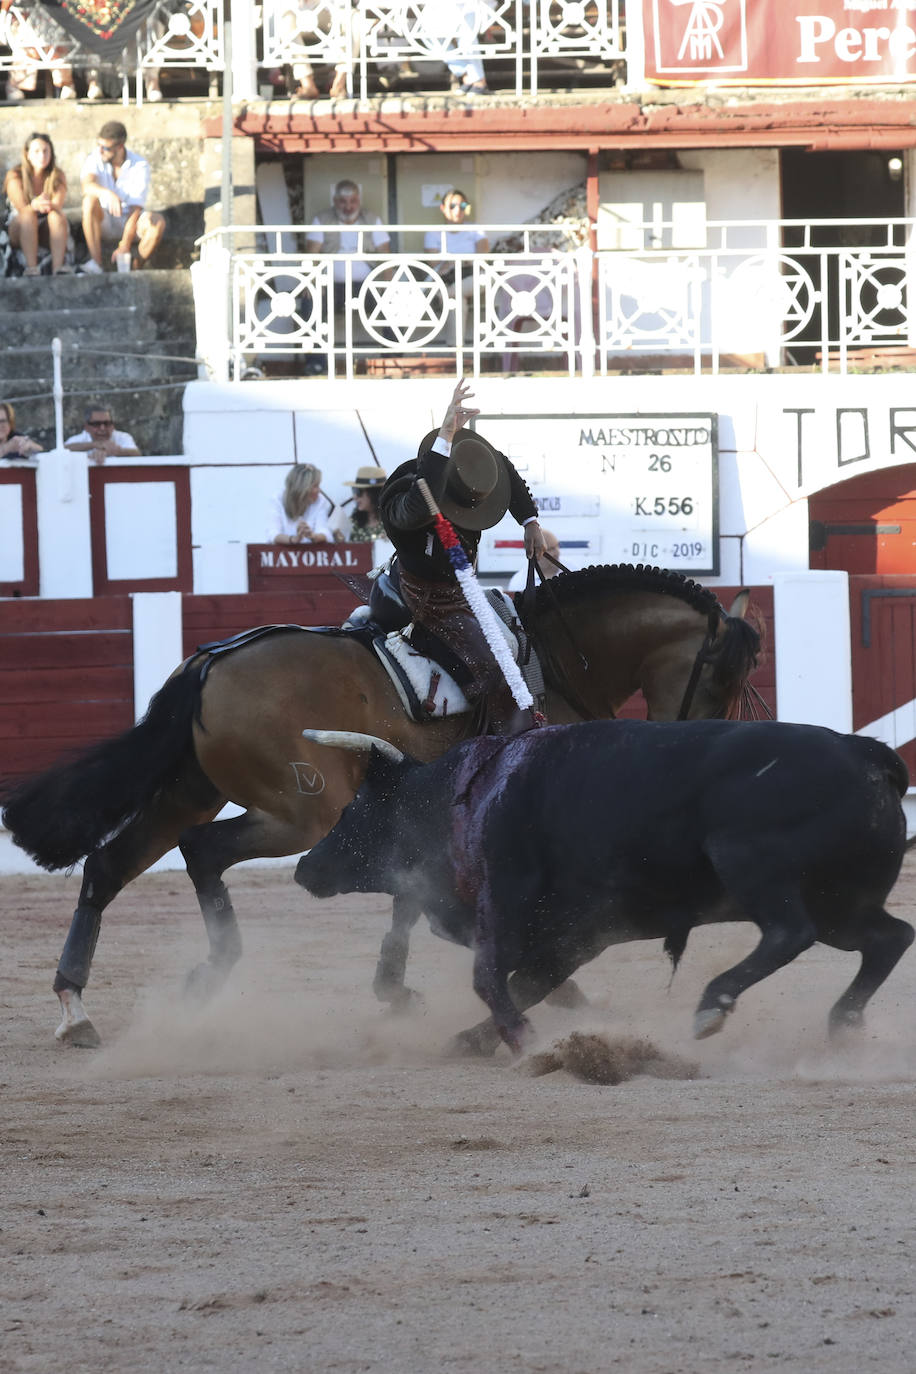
point(76, 959)
point(221, 925)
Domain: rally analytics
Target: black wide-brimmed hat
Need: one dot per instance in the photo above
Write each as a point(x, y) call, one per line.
point(473, 491)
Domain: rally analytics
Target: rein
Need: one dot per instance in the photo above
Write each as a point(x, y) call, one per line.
point(751, 700)
point(704, 656)
point(566, 689)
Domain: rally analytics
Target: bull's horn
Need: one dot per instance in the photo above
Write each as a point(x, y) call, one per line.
point(350, 739)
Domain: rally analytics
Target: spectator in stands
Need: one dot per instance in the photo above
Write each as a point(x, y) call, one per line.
point(12, 443)
point(347, 215)
point(309, 20)
point(455, 206)
point(115, 184)
point(36, 191)
point(302, 515)
point(365, 521)
point(519, 579)
point(459, 19)
point(100, 439)
point(35, 38)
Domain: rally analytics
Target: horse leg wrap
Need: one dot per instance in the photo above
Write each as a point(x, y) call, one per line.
point(221, 926)
point(76, 959)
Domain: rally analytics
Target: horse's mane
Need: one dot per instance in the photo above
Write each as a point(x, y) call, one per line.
point(734, 655)
point(600, 579)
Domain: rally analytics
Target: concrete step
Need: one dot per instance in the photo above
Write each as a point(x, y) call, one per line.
point(114, 330)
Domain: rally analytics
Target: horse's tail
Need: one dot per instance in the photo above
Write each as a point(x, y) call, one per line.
point(66, 812)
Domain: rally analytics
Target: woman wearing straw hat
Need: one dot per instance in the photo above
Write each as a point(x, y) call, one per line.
point(365, 521)
point(473, 485)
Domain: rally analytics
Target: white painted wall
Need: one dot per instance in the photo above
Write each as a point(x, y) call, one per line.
point(514, 187)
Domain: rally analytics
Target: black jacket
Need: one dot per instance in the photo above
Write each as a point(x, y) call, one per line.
point(407, 522)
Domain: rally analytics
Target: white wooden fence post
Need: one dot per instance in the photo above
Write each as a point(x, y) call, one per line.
point(813, 648)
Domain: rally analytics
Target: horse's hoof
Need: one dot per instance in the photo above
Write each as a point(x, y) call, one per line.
point(477, 1043)
point(81, 1034)
point(202, 982)
point(568, 995)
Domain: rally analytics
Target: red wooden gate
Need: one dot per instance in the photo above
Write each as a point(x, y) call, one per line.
point(882, 619)
point(23, 495)
point(66, 678)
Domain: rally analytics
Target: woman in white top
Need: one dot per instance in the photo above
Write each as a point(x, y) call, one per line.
point(302, 514)
point(464, 239)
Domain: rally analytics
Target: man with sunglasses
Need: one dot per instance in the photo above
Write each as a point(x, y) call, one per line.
point(100, 439)
point(115, 184)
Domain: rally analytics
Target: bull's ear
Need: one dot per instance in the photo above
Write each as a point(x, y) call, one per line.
point(739, 606)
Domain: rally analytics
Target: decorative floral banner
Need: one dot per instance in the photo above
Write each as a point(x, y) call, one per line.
point(792, 42)
point(103, 26)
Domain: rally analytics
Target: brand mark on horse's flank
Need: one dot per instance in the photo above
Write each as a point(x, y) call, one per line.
point(309, 781)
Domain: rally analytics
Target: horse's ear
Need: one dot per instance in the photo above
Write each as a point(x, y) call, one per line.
point(738, 609)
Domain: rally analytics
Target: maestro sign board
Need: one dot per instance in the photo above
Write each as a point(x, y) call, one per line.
point(613, 488)
point(801, 42)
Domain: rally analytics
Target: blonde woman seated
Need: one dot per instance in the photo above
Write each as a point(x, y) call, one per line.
point(36, 191)
point(302, 515)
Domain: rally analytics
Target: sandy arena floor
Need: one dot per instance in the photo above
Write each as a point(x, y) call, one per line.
point(291, 1179)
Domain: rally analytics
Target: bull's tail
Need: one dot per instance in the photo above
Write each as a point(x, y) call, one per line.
point(675, 944)
point(66, 812)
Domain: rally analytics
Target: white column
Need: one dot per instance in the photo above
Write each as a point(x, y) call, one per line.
point(813, 648)
point(157, 643)
point(64, 546)
point(244, 52)
point(635, 49)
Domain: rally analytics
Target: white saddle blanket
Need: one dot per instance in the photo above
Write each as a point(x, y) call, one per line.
point(436, 690)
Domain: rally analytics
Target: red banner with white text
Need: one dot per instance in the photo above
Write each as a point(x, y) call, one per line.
point(792, 42)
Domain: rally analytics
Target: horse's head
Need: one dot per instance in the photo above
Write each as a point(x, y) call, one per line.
point(723, 664)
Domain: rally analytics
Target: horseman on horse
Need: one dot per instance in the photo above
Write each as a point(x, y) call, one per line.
point(473, 485)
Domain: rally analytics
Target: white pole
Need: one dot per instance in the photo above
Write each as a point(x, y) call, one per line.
point(58, 391)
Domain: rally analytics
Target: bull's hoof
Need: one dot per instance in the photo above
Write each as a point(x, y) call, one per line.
point(568, 995)
point(405, 1002)
point(477, 1043)
point(710, 1020)
point(82, 1034)
point(848, 1022)
point(203, 982)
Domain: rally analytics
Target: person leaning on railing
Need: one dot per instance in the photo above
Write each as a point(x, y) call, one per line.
point(100, 440)
point(302, 514)
point(12, 443)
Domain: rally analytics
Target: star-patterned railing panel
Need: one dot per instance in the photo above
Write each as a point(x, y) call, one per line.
point(781, 298)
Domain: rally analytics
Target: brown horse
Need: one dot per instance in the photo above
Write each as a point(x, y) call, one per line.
point(228, 728)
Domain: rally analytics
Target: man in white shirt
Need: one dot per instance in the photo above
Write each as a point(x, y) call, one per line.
point(337, 230)
point(115, 184)
point(100, 440)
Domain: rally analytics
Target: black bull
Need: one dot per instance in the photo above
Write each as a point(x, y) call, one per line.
point(542, 850)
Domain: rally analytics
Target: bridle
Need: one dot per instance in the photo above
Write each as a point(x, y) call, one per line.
point(755, 708)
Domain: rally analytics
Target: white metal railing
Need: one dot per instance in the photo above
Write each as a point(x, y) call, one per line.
point(360, 38)
point(366, 35)
point(178, 33)
point(755, 295)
